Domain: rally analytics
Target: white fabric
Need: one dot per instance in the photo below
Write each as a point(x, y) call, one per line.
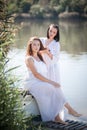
point(50, 99)
point(30, 106)
point(53, 65)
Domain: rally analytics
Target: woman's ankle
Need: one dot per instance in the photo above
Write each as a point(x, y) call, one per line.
point(59, 120)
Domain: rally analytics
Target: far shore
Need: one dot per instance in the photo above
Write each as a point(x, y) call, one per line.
point(65, 16)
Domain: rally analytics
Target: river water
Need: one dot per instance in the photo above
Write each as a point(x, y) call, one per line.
point(73, 56)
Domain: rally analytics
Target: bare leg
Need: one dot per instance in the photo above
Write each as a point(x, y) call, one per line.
point(72, 111)
point(59, 120)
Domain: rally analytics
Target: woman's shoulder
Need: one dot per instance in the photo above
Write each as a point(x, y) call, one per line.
point(56, 45)
point(56, 42)
point(29, 58)
point(43, 39)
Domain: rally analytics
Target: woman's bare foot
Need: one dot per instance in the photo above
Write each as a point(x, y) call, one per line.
point(59, 120)
point(74, 113)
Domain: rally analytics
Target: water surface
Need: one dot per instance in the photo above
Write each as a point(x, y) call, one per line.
point(73, 57)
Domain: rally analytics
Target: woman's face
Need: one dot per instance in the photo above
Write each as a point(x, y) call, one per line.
point(52, 32)
point(35, 46)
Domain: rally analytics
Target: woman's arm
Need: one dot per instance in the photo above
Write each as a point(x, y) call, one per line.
point(46, 51)
point(30, 64)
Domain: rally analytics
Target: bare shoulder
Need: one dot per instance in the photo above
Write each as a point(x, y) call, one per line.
point(29, 59)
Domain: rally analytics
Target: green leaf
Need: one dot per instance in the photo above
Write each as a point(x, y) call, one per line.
point(12, 69)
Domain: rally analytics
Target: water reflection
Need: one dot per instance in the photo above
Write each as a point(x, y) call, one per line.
point(73, 57)
point(72, 35)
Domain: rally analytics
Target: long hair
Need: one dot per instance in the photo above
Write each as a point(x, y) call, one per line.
point(29, 51)
point(57, 37)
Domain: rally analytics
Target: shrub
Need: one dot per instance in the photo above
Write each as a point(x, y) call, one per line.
point(36, 11)
point(25, 7)
point(11, 116)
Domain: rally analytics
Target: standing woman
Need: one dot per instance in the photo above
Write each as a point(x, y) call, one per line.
point(51, 42)
point(48, 93)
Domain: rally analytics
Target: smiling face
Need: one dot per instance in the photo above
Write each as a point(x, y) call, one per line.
point(52, 32)
point(35, 46)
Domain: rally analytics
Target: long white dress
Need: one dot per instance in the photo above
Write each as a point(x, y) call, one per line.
point(50, 99)
point(53, 65)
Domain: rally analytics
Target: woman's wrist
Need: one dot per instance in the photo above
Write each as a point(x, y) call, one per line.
point(52, 82)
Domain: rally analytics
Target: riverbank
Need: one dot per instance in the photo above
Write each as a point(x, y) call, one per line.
point(64, 15)
point(72, 15)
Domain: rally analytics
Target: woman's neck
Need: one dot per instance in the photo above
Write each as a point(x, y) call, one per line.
point(50, 40)
point(35, 55)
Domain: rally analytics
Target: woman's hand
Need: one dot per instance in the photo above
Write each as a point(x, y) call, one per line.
point(49, 54)
point(47, 51)
point(55, 84)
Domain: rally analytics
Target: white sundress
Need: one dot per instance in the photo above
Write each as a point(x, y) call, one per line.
point(53, 65)
point(50, 99)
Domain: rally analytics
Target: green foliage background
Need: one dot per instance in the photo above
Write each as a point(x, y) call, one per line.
point(44, 7)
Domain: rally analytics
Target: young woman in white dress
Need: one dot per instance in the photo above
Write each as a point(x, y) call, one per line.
point(51, 42)
point(48, 93)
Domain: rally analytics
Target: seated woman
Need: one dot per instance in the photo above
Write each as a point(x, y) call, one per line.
point(48, 94)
